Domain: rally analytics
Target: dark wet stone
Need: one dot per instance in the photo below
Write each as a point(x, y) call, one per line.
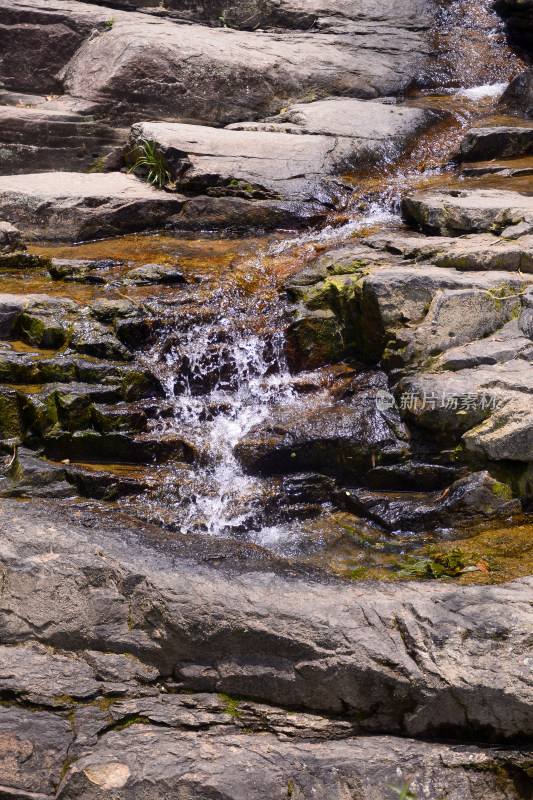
point(154, 273)
point(472, 498)
point(344, 439)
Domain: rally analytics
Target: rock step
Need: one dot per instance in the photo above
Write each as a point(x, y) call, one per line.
point(498, 141)
point(44, 140)
point(73, 206)
point(262, 160)
point(457, 211)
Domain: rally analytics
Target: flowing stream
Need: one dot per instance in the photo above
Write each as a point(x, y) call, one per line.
point(222, 359)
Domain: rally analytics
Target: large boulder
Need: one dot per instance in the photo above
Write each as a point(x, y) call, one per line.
point(75, 206)
point(220, 75)
point(457, 211)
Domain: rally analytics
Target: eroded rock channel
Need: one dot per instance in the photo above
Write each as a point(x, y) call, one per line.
point(266, 437)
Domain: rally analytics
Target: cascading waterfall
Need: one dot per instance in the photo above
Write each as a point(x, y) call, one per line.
point(225, 371)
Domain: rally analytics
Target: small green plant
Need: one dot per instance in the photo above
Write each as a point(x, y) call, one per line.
point(109, 23)
point(151, 159)
point(403, 792)
point(441, 565)
point(222, 18)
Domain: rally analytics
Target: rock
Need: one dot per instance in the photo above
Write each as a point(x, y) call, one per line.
point(343, 439)
point(471, 499)
point(505, 344)
point(45, 322)
point(463, 211)
point(74, 206)
point(77, 271)
point(23, 261)
point(10, 238)
point(94, 339)
point(512, 251)
point(34, 477)
point(46, 140)
point(518, 96)
point(483, 144)
point(257, 767)
point(220, 75)
point(357, 314)
point(525, 321)
point(127, 380)
point(11, 306)
point(323, 645)
point(154, 273)
point(517, 15)
point(459, 316)
point(52, 32)
point(238, 214)
point(34, 749)
point(459, 402)
point(262, 160)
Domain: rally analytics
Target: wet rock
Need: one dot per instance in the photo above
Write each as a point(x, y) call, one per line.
point(75, 206)
point(517, 16)
point(413, 476)
point(94, 339)
point(154, 273)
point(77, 271)
point(104, 485)
point(238, 214)
point(94, 447)
point(464, 211)
point(10, 237)
point(343, 439)
point(128, 382)
point(23, 261)
point(477, 497)
point(322, 645)
point(482, 144)
point(519, 94)
point(46, 322)
point(11, 306)
point(30, 476)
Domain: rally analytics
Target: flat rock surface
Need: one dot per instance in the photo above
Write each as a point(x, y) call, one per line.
point(399, 658)
point(69, 205)
point(467, 211)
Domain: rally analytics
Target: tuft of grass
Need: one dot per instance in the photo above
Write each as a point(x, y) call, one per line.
point(404, 792)
point(222, 18)
point(109, 23)
point(150, 159)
